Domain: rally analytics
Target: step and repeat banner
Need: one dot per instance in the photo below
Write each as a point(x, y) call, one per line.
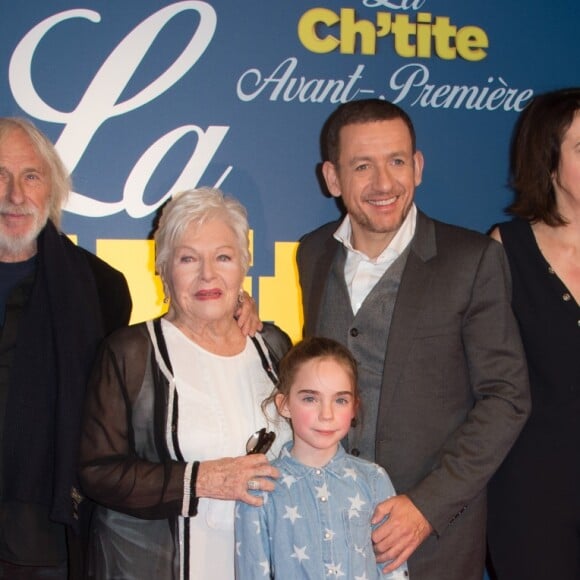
point(145, 98)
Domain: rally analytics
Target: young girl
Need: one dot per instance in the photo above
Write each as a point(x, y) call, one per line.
point(316, 523)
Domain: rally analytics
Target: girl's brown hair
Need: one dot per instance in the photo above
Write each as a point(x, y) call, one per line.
point(307, 350)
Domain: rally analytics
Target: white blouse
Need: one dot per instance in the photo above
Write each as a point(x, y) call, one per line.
point(219, 407)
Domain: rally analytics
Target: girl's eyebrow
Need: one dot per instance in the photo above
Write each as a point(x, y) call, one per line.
point(314, 392)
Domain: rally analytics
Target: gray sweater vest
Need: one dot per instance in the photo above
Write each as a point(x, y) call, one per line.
point(366, 336)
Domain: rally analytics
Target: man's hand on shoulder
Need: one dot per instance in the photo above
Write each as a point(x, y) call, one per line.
point(403, 531)
point(247, 315)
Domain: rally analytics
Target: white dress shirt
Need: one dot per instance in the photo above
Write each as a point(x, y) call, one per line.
point(361, 273)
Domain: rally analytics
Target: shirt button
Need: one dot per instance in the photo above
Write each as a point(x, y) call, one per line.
point(354, 332)
point(550, 269)
point(323, 499)
point(327, 536)
point(566, 297)
point(318, 472)
point(355, 452)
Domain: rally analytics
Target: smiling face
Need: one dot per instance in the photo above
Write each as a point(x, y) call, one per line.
point(321, 405)
point(376, 176)
point(25, 188)
point(205, 275)
point(566, 179)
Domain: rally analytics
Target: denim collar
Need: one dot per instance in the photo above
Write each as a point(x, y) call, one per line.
point(289, 464)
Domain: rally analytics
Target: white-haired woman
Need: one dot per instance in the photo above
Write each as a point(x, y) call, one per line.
point(171, 405)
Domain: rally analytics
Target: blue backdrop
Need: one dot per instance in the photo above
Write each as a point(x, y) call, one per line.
point(144, 98)
point(148, 97)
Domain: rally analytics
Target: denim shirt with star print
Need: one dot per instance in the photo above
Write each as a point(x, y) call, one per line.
point(315, 524)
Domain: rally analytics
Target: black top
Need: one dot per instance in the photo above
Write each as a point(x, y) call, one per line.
point(549, 320)
point(11, 274)
point(543, 463)
point(541, 474)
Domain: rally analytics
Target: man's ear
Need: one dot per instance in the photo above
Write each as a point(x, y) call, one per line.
point(331, 177)
point(418, 163)
point(282, 405)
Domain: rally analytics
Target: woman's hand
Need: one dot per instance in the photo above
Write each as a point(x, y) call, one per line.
point(247, 315)
point(228, 478)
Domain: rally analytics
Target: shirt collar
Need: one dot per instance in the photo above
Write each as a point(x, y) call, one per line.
point(297, 469)
point(397, 245)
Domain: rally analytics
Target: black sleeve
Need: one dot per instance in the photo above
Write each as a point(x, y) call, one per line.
point(112, 472)
point(277, 342)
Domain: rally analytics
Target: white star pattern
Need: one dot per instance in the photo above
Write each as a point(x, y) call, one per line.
point(350, 472)
point(300, 554)
point(356, 502)
point(288, 480)
point(334, 570)
point(322, 491)
point(302, 493)
point(291, 514)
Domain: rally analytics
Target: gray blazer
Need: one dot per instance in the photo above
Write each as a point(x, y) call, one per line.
point(455, 391)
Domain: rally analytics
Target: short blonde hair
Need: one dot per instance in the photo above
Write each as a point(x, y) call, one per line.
point(198, 206)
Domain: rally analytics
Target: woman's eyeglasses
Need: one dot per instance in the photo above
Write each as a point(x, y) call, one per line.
point(260, 441)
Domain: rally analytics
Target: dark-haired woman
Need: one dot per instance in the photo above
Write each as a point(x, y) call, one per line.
point(534, 513)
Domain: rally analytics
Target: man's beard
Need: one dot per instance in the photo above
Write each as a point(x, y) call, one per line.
point(24, 243)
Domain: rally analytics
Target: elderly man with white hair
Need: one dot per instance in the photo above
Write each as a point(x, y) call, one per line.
point(57, 301)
